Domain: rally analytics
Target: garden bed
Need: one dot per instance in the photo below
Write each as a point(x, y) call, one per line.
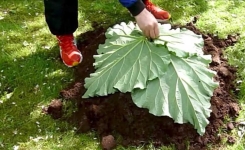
point(117, 120)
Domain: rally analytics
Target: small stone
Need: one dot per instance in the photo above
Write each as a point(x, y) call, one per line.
point(230, 126)
point(108, 142)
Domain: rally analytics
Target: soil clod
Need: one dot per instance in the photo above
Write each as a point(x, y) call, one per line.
point(55, 109)
point(108, 142)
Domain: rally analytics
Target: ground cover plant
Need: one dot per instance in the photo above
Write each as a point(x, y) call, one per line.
point(31, 74)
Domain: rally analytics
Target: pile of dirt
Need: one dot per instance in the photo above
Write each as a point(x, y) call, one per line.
point(117, 116)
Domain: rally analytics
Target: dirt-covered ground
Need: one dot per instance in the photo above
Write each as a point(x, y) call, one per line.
point(117, 120)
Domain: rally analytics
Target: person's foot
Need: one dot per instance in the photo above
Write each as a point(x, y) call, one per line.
point(157, 12)
point(69, 53)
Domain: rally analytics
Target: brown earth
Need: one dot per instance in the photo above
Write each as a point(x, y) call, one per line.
point(117, 120)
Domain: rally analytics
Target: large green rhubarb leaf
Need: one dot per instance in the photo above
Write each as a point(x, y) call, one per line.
point(126, 61)
point(169, 76)
point(182, 42)
point(182, 93)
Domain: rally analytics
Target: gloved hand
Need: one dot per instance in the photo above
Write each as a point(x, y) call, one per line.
point(148, 24)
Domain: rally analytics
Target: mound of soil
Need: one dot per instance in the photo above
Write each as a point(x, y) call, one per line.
point(117, 116)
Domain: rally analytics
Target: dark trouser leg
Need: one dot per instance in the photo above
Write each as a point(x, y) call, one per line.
point(61, 16)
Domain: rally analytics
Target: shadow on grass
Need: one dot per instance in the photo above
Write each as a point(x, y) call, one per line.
point(25, 91)
point(21, 120)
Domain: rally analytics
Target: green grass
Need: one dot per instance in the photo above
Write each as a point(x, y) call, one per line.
point(31, 74)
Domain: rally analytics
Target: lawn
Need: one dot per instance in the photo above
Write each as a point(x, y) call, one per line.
point(31, 73)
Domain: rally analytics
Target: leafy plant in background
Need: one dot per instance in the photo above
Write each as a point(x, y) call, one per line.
point(169, 76)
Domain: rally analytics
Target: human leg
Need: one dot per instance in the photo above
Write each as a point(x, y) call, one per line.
point(61, 17)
